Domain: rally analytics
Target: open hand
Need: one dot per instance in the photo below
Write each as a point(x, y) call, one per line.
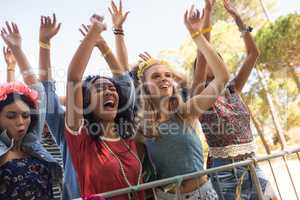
point(84, 29)
point(48, 28)
point(193, 19)
point(9, 57)
point(11, 35)
point(97, 23)
point(117, 15)
point(145, 56)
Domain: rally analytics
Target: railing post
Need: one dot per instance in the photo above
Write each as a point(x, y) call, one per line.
point(256, 182)
point(276, 183)
point(290, 175)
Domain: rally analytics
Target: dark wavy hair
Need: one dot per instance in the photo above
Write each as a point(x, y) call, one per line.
point(13, 97)
point(124, 118)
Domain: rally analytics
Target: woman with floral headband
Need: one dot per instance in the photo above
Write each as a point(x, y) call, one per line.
point(226, 125)
point(99, 122)
point(27, 170)
point(174, 143)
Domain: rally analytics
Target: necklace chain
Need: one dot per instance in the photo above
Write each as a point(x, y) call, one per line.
point(121, 164)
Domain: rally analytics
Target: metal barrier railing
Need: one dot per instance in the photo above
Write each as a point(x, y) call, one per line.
point(250, 163)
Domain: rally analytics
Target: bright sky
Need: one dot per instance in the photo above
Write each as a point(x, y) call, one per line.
point(151, 25)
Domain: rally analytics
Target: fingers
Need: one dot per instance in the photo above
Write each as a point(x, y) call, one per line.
point(3, 31)
point(97, 18)
point(147, 54)
point(144, 58)
point(202, 15)
point(86, 28)
point(186, 17)
point(82, 32)
point(191, 11)
point(111, 13)
point(8, 27)
point(47, 21)
point(58, 28)
point(114, 7)
point(42, 21)
point(15, 28)
point(4, 52)
point(198, 13)
point(120, 6)
point(125, 16)
point(11, 28)
point(54, 19)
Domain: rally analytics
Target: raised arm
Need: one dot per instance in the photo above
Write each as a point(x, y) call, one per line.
point(48, 29)
point(200, 67)
point(12, 38)
point(54, 110)
point(118, 19)
point(195, 106)
point(78, 65)
point(109, 57)
point(252, 51)
point(10, 64)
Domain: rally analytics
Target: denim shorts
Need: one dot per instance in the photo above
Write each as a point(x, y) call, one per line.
point(205, 192)
point(226, 182)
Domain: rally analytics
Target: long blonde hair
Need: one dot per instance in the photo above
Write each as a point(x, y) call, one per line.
point(148, 114)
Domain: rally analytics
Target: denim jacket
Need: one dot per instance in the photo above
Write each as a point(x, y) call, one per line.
point(31, 142)
point(56, 124)
point(55, 120)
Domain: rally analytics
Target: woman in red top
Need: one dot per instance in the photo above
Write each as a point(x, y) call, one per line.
point(98, 119)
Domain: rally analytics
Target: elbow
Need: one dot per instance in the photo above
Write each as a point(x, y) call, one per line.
point(225, 77)
point(73, 77)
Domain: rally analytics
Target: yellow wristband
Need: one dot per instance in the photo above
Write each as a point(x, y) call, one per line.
point(206, 30)
point(44, 45)
point(108, 51)
point(197, 33)
point(11, 68)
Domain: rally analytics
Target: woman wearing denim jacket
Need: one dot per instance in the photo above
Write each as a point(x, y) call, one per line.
point(27, 170)
point(54, 110)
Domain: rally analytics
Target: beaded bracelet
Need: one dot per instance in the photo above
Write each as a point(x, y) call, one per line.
point(118, 31)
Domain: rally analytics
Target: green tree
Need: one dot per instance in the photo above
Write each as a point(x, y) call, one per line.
point(279, 43)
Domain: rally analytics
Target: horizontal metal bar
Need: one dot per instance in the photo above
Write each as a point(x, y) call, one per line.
point(175, 179)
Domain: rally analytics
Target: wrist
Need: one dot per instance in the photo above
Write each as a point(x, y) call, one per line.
point(93, 38)
point(195, 34)
point(11, 67)
point(45, 40)
point(45, 45)
point(101, 43)
point(117, 26)
point(118, 31)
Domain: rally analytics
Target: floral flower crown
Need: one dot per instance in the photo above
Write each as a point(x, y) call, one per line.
point(19, 88)
point(148, 63)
